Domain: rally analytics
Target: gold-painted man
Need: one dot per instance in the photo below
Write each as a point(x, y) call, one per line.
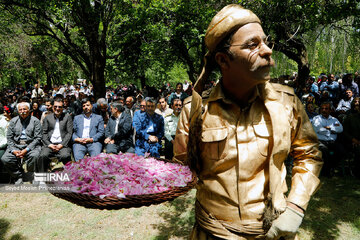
point(237, 136)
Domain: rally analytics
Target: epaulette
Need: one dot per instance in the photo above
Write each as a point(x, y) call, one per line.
point(283, 88)
point(167, 115)
point(187, 100)
point(205, 94)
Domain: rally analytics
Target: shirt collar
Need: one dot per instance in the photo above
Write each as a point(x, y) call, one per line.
point(325, 117)
point(58, 118)
point(26, 120)
point(87, 117)
point(218, 94)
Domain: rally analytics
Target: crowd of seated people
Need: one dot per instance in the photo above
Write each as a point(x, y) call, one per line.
point(68, 123)
point(331, 104)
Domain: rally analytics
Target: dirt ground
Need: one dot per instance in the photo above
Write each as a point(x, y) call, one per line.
point(333, 213)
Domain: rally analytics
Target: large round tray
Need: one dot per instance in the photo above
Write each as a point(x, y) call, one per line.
point(130, 201)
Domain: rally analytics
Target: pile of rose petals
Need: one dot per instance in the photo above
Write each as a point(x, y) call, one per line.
point(124, 174)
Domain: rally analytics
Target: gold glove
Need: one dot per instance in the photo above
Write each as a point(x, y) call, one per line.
point(285, 225)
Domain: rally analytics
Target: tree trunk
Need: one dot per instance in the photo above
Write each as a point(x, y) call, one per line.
point(303, 68)
point(191, 75)
point(48, 79)
point(142, 81)
point(97, 64)
point(186, 58)
point(303, 74)
point(344, 55)
point(297, 52)
point(97, 78)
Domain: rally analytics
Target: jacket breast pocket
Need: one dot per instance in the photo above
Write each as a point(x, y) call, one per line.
point(262, 133)
point(214, 143)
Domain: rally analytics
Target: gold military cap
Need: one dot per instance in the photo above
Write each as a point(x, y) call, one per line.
point(227, 20)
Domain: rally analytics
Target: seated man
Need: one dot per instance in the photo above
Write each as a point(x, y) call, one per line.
point(149, 131)
point(49, 108)
point(88, 132)
point(164, 109)
point(171, 122)
point(331, 86)
point(24, 143)
point(57, 131)
point(101, 108)
point(352, 135)
point(348, 82)
point(136, 118)
point(4, 123)
point(327, 128)
point(118, 131)
point(129, 103)
point(344, 105)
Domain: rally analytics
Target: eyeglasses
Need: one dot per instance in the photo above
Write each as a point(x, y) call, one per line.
point(255, 44)
point(142, 105)
point(58, 107)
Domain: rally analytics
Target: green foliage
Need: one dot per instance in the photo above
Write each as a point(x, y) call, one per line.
point(29, 58)
point(283, 65)
point(177, 74)
point(154, 42)
point(298, 18)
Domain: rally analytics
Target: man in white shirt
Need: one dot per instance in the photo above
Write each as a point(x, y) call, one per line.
point(164, 109)
point(88, 132)
point(129, 103)
point(327, 128)
point(57, 131)
point(344, 106)
point(37, 92)
point(118, 131)
point(171, 122)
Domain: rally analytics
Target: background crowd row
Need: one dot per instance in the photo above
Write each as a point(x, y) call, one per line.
point(73, 123)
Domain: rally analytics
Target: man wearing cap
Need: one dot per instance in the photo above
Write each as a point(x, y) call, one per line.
point(237, 136)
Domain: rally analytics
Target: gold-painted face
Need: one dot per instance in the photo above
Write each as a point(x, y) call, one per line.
point(251, 56)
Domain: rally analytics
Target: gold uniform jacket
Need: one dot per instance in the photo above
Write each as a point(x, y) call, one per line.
point(242, 157)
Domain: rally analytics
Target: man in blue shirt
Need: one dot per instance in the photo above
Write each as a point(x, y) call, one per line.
point(149, 131)
point(314, 89)
point(331, 86)
point(327, 128)
point(344, 106)
point(348, 82)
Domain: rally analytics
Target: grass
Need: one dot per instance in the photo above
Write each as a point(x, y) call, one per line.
point(333, 213)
